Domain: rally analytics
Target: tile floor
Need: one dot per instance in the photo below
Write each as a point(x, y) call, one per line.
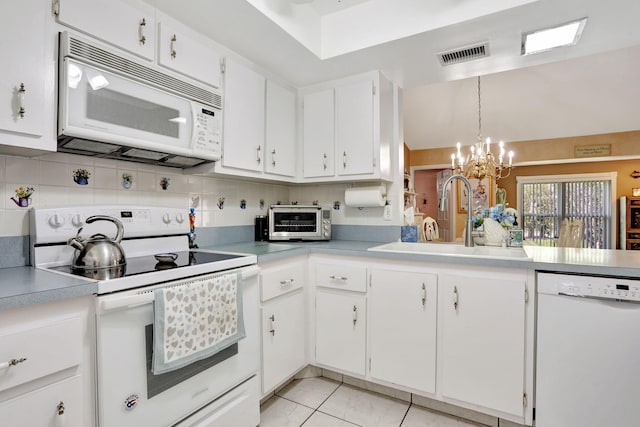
point(321, 402)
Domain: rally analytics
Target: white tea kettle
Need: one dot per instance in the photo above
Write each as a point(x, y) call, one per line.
point(98, 251)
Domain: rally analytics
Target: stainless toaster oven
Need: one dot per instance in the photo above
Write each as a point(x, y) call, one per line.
point(299, 222)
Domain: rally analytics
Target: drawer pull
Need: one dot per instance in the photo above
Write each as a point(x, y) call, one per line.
point(286, 282)
point(343, 278)
point(12, 362)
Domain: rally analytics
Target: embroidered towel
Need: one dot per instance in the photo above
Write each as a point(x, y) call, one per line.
point(195, 320)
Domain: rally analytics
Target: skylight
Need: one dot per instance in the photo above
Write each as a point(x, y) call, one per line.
point(542, 40)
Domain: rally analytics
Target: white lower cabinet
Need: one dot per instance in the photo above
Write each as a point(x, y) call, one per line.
point(283, 338)
point(341, 330)
point(50, 378)
point(283, 321)
point(403, 313)
point(57, 404)
point(482, 354)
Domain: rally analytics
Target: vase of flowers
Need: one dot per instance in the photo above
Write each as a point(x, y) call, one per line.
point(495, 222)
point(23, 196)
point(81, 176)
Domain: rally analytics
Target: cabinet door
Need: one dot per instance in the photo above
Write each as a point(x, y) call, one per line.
point(187, 55)
point(403, 328)
point(483, 341)
point(54, 405)
point(280, 144)
point(124, 24)
point(25, 72)
point(243, 140)
point(283, 338)
point(354, 128)
point(319, 134)
point(340, 331)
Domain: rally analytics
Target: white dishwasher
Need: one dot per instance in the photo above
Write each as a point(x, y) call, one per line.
point(588, 352)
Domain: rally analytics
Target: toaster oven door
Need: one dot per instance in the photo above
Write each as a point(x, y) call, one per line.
point(294, 225)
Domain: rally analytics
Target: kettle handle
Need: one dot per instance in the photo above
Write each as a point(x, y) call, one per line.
point(116, 221)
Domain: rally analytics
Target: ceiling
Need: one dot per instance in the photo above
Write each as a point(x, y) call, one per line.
point(288, 38)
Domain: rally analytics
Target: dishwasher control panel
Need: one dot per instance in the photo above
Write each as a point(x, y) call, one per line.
point(589, 287)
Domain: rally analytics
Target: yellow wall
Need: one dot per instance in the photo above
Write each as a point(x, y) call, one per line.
point(555, 150)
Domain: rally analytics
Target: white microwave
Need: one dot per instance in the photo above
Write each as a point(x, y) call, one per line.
point(112, 105)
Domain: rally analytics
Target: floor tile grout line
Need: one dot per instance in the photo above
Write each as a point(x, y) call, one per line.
point(405, 414)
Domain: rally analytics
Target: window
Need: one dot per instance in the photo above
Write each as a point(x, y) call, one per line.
point(544, 201)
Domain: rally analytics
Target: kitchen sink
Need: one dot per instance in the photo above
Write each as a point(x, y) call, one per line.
point(453, 249)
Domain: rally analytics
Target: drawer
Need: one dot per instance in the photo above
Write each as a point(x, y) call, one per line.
point(280, 280)
point(347, 277)
point(47, 348)
point(58, 404)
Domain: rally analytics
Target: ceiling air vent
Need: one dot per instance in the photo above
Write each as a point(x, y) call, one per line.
point(464, 54)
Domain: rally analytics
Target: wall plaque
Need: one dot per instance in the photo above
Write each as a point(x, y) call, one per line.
point(596, 150)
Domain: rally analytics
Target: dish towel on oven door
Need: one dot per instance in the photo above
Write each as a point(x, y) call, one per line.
point(195, 319)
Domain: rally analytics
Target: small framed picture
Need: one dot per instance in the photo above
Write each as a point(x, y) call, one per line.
point(635, 192)
point(483, 194)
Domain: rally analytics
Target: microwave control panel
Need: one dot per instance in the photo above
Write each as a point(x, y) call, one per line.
point(207, 129)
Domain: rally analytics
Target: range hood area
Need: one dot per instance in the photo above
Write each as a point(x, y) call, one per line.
point(113, 105)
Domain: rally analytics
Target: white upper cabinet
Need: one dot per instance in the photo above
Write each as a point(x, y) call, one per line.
point(244, 118)
point(128, 25)
point(348, 129)
point(180, 50)
point(27, 79)
point(318, 134)
point(280, 143)
point(354, 128)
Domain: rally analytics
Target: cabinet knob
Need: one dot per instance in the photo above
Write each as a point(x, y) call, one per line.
point(141, 36)
point(21, 92)
point(172, 47)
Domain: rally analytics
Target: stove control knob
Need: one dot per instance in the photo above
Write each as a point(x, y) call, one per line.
point(56, 221)
point(179, 218)
point(77, 221)
point(166, 218)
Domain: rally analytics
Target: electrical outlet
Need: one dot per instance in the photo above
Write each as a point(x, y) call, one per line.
point(387, 213)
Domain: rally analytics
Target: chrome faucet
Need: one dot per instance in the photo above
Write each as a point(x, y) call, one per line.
point(468, 238)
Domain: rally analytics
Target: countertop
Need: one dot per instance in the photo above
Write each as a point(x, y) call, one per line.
point(21, 286)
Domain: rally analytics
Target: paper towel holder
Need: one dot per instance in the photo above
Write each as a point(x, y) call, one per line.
point(366, 197)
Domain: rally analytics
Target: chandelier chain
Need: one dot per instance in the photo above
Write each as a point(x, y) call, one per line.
point(479, 113)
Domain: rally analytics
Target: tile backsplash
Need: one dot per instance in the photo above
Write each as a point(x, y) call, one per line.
point(116, 182)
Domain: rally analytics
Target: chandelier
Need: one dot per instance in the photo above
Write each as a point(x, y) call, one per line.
point(481, 162)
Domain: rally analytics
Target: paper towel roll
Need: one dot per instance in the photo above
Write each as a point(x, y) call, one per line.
point(365, 197)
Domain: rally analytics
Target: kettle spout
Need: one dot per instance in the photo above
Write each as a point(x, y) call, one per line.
point(76, 241)
point(15, 201)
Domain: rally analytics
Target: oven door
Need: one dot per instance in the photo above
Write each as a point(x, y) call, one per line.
point(130, 395)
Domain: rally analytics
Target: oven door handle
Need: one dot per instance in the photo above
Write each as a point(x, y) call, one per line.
point(129, 301)
point(113, 303)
